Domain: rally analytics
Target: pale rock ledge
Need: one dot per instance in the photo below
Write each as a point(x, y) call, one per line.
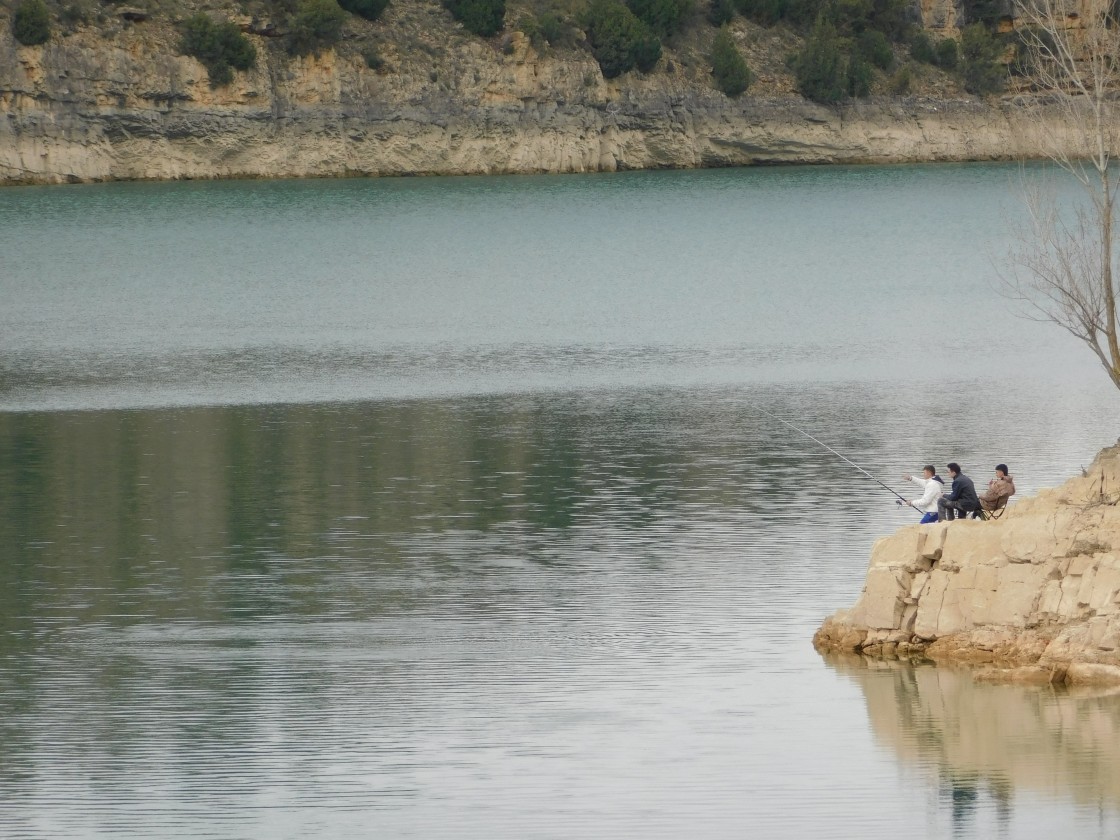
point(1033, 596)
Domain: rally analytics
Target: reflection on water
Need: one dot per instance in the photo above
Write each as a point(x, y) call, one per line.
point(987, 747)
point(543, 615)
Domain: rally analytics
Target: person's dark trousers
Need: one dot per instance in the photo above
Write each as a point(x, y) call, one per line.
point(946, 510)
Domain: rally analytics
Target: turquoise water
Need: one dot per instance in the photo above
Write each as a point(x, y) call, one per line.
point(142, 295)
point(454, 507)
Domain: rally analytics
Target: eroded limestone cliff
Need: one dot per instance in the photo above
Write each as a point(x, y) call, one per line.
point(1036, 592)
point(118, 102)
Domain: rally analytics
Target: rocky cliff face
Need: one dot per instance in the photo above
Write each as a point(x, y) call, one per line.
point(1036, 592)
point(121, 104)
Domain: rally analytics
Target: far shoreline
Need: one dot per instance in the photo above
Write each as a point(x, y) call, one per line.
point(1033, 161)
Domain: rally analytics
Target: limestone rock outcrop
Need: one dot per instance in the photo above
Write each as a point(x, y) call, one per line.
point(1036, 592)
point(124, 104)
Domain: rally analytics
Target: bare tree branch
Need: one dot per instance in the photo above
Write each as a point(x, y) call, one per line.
point(1064, 259)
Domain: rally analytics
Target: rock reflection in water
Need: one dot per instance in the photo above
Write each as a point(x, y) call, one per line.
point(992, 746)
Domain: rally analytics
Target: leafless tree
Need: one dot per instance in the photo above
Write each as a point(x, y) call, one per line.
point(1065, 258)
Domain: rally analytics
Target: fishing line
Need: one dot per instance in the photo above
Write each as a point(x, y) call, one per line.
point(834, 452)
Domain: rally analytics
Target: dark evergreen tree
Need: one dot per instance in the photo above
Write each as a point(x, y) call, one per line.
point(619, 41)
point(720, 12)
point(947, 54)
point(481, 17)
point(859, 76)
point(219, 45)
point(873, 46)
point(368, 9)
point(980, 67)
point(31, 23)
point(729, 68)
point(317, 24)
point(820, 67)
point(664, 17)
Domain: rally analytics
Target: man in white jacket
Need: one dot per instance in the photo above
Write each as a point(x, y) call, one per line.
point(932, 488)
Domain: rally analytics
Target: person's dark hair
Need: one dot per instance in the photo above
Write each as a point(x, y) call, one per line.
point(954, 467)
point(1003, 469)
point(931, 468)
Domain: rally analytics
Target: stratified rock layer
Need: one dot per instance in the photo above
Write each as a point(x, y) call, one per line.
point(1037, 591)
point(90, 107)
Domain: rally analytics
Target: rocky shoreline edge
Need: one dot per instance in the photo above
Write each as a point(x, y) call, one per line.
point(1033, 597)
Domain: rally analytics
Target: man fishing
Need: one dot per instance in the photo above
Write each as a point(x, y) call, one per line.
point(962, 500)
point(932, 488)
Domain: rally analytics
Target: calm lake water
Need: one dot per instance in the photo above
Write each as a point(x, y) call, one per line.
point(455, 508)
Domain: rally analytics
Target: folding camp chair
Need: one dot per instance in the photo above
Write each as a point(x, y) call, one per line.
point(996, 513)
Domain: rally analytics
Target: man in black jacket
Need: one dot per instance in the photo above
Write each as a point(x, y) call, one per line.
point(962, 500)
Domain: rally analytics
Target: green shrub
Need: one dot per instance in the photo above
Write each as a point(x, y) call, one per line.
point(980, 68)
point(873, 46)
point(729, 68)
point(819, 67)
point(891, 17)
point(798, 13)
point(219, 45)
point(619, 41)
point(482, 17)
point(73, 15)
point(941, 53)
point(373, 58)
point(922, 49)
point(31, 23)
point(850, 16)
point(987, 12)
point(368, 9)
point(647, 51)
point(1026, 40)
point(803, 13)
point(664, 17)
point(317, 24)
point(764, 12)
point(531, 28)
point(902, 80)
point(859, 76)
point(947, 55)
point(720, 12)
point(550, 28)
point(557, 30)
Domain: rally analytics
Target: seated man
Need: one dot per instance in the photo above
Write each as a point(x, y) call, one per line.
point(1000, 489)
point(962, 500)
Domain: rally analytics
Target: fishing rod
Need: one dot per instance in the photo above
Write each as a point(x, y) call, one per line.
point(837, 454)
